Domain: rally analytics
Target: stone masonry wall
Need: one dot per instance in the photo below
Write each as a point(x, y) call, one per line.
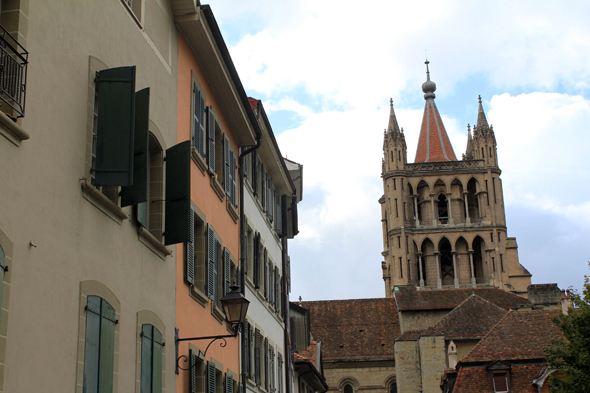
point(407, 362)
point(432, 362)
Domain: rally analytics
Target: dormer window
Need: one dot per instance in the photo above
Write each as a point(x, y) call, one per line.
point(500, 381)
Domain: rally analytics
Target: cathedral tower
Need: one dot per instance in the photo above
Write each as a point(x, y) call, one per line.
point(443, 219)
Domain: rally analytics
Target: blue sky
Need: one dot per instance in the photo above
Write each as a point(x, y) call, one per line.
point(325, 71)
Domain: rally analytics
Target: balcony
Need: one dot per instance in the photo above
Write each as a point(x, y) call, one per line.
point(13, 73)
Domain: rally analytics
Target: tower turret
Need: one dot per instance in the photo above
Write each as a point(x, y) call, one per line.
point(394, 144)
point(484, 140)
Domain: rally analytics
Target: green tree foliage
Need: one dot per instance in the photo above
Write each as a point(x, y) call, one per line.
point(572, 356)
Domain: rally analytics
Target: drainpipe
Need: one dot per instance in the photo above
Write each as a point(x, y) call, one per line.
point(243, 239)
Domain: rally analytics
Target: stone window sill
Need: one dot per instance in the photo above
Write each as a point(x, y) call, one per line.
point(217, 187)
point(200, 161)
point(98, 199)
point(198, 295)
point(233, 212)
point(217, 313)
point(11, 130)
point(152, 243)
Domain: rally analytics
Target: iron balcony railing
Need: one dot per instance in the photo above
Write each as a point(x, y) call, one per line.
point(13, 72)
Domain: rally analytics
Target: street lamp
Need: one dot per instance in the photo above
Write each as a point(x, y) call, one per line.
point(235, 307)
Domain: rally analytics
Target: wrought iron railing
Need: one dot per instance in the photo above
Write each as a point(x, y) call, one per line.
point(13, 72)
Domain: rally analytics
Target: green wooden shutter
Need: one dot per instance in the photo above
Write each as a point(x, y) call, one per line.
point(246, 348)
point(211, 263)
point(256, 266)
point(211, 140)
point(115, 127)
point(270, 203)
point(257, 357)
point(192, 381)
point(210, 377)
point(198, 121)
point(264, 261)
point(157, 362)
point(280, 371)
point(278, 213)
point(229, 384)
point(255, 172)
point(226, 166)
point(266, 374)
point(147, 356)
point(138, 192)
point(233, 173)
point(190, 250)
point(226, 271)
point(276, 289)
point(262, 187)
point(142, 214)
point(240, 387)
point(92, 345)
point(178, 193)
point(252, 349)
point(107, 348)
point(271, 280)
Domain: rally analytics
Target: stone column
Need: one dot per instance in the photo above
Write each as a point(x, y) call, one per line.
point(467, 219)
point(438, 280)
point(421, 272)
point(415, 197)
point(449, 203)
point(473, 282)
point(456, 272)
point(432, 205)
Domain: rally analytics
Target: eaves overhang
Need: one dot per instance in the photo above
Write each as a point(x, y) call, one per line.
point(311, 375)
point(202, 34)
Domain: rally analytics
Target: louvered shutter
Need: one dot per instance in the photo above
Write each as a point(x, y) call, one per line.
point(272, 369)
point(257, 357)
point(178, 193)
point(256, 260)
point(157, 362)
point(245, 348)
point(107, 347)
point(280, 371)
point(229, 384)
point(226, 271)
point(276, 289)
point(266, 376)
point(240, 388)
point(239, 277)
point(263, 187)
point(255, 172)
point(199, 121)
point(138, 192)
point(278, 213)
point(270, 198)
point(211, 140)
point(211, 264)
point(233, 175)
point(210, 377)
point(147, 347)
point(226, 166)
point(115, 127)
point(252, 350)
point(99, 346)
point(264, 261)
point(193, 371)
point(190, 250)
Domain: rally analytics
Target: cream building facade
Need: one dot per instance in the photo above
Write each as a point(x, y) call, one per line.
point(444, 222)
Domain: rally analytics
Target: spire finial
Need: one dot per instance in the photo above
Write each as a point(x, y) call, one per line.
point(428, 87)
point(391, 102)
point(427, 70)
point(479, 99)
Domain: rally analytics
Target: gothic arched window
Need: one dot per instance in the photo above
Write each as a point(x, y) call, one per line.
point(348, 389)
point(393, 388)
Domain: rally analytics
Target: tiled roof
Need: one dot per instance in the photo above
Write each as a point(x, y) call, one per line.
point(409, 298)
point(518, 336)
point(253, 102)
point(473, 318)
point(356, 329)
point(309, 355)
point(411, 335)
point(477, 380)
point(433, 143)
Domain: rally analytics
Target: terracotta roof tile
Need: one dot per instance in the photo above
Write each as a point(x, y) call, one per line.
point(433, 143)
point(473, 318)
point(477, 380)
point(253, 102)
point(356, 329)
point(518, 336)
point(409, 298)
point(308, 355)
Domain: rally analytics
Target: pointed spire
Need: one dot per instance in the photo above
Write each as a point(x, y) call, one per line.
point(434, 143)
point(393, 126)
point(469, 152)
point(482, 122)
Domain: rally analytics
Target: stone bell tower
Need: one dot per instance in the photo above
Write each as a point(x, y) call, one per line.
point(444, 224)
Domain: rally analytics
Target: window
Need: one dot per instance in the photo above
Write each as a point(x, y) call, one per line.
point(198, 123)
point(150, 213)
point(500, 380)
point(151, 359)
point(258, 357)
point(256, 260)
point(197, 371)
point(196, 252)
point(99, 346)
point(213, 256)
point(280, 372)
point(348, 388)
point(135, 6)
point(393, 388)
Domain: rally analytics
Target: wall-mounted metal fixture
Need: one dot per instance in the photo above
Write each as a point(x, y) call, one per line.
point(235, 306)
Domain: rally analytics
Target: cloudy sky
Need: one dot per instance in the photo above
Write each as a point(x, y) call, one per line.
point(325, 71)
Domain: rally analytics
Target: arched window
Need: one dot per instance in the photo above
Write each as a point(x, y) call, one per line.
point(348, 388)
point(393, 388)
point(443, 210)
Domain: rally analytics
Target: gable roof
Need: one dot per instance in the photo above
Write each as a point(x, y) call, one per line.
point(472, 319)
point(518, 336)
point(355, 329)
point(308, 355)
point(477, 380)
point(409, 299)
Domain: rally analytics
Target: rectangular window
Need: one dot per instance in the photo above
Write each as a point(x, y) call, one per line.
point(197, 372)
point(500, 382)
point(487, 193)
point(494, 187)
point(492, 236)
point(396, 209)
point(198, 134)
point(213, 256)
point(401, 268)
point(394, 184)
point(502, 263)
point(399, 242)
point(493, 264)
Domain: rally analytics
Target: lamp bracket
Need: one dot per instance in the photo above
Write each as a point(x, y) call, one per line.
point(202, 354)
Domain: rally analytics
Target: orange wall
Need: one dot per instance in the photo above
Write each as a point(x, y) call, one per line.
point(192, 319)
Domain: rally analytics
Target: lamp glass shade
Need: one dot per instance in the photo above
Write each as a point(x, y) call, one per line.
point(235, 305)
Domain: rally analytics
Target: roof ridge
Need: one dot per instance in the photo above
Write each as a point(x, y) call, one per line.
point(486, 336)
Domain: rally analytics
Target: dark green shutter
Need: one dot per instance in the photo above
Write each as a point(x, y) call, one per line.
point(107, 348)
point(276, 289)
point(233, 173)
point(229, 384)
point(193, 371)
point(157, 362)
point(178, 193)
point(257, 357)
point(240, 388)
point(251, 349)
point(270, 203)
point(226, 271)
point(266, 373)
point(142, 214)
point(212, 265)
point(190, 250)
point(147, 356)
point(263, 187)
point(138, 192)
point(198, 121)
point(264, 261)
point(246, 348)
point(278, 213)
point(211, 140)
point(255, 172)
point(226, 167)
point(256, 266)
point(210, 377)
point(92, 345)
point(115, 127)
